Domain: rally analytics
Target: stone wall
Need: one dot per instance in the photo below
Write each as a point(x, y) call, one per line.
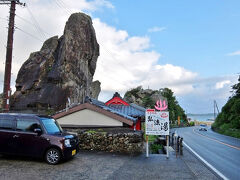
point(121, 140)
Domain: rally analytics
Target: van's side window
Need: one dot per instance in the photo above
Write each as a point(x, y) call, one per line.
point(27, 125)
point(6, 123)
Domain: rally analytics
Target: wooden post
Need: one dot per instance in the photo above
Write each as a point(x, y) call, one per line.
point(181, 146)
point(8, 64)
point(178, 140)
point(173, 139)
point(147, 151)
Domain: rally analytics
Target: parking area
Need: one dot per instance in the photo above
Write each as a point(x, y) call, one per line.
point(100, 165)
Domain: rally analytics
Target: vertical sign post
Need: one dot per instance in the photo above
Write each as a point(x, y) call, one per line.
point(167, 146)
point(147, 151)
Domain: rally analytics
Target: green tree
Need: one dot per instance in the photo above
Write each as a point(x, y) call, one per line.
point(236, 88)
point(145, 98)
point(148, 102)
point(174, 108)
point(228, 121)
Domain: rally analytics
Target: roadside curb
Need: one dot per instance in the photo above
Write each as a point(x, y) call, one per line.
point(219, 174)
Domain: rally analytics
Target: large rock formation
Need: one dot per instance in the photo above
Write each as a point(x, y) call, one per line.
point(149, 98)
point(143, 97)
point(62, 69)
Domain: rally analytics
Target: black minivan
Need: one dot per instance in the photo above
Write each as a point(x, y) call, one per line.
point(36, 136)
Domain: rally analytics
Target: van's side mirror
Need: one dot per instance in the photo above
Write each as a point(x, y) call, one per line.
point(38, 131)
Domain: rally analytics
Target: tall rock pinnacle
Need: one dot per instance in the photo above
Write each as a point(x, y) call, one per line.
point(62, 69)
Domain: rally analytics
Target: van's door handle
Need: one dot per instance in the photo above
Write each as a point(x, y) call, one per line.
point(15, 136)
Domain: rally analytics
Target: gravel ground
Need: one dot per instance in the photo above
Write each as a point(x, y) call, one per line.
point(101, 165)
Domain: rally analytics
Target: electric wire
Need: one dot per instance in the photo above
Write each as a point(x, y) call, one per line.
point(60, 6)
point(65, 6)
point(29, 34)
point(30, 23)
point(39, 29)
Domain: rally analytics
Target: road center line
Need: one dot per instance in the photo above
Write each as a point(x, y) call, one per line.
point(235, 147)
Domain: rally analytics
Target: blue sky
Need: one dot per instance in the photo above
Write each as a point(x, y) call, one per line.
point(198, 35)
point(189, 46)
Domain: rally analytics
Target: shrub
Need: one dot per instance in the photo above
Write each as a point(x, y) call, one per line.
point(191, 123)
point(155, 147)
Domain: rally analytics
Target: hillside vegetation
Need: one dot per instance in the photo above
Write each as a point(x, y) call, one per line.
point(228, 121)
point(147, 98)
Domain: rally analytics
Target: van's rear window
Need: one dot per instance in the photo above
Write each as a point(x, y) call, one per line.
point(6, 123)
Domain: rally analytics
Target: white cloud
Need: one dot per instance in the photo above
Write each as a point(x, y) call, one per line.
point(125, 61)
point(157, 29)
point(50, 17)
point(235, 53)
point(221, 84)
point(174, 77)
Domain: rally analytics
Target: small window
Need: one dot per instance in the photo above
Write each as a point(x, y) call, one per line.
point(6, 123)
point(27, 125)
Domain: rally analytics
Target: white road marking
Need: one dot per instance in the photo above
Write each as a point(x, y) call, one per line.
point(205, 162)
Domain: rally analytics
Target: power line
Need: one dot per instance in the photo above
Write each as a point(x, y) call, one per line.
point(62, 6)
point(29, 34)
point(30, 23)
point(4, 19)
point(65, 6)
point(37, 26)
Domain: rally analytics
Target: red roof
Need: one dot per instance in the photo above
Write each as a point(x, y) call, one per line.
point(117, 99)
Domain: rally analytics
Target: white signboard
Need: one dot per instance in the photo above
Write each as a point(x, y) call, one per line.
point(157, 123)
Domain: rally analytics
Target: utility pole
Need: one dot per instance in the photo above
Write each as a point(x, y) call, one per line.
point(8, 63)
point(214, 110)
point(215, 107)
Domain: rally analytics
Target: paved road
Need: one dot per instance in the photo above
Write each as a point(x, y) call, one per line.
point(107, 166)
point(222, 152)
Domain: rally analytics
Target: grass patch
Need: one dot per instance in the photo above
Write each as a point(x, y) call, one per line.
point(155, 147)
point(91, 131)
point(226, 129)
point(151, 138)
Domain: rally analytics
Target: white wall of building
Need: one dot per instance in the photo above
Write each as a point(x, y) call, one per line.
point(87, 117)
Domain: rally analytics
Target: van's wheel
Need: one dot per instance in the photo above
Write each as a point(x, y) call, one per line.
point(52, 156)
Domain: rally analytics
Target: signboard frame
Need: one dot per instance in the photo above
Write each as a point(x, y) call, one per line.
point(157, 123)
